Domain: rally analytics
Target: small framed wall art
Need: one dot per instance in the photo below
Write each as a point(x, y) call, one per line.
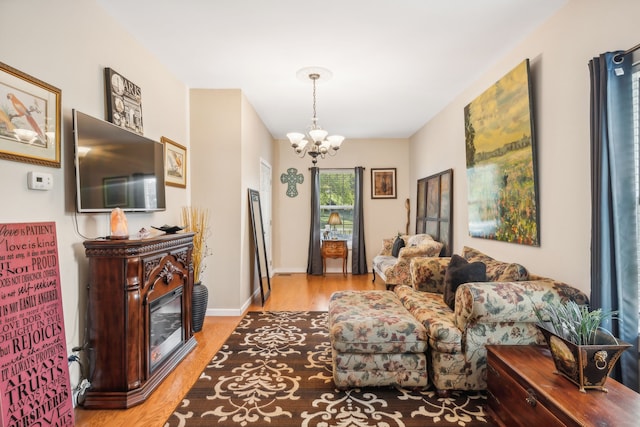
point(30, 112)
point(124, 101)
point(175, 163)
point(383, 183)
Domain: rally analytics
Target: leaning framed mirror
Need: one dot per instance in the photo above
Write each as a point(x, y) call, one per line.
point(261, 262)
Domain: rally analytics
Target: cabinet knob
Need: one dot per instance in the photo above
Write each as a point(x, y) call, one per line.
point(531, 398)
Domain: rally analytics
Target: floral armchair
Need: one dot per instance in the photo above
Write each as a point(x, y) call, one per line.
point(498, 311)
point(396, 270)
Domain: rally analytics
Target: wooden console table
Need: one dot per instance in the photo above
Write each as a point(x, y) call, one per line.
point(523, 390)
point(335, 248)
point(128, 280)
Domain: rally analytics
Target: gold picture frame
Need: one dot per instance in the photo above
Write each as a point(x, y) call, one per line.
point(175, 163)
point(383, 183)
point(30, 116)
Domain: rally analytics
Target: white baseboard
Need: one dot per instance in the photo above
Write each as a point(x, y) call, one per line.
point(232, 311)
point(289, 270)
point(224, 312)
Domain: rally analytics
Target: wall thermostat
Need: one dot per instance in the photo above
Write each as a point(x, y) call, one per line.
point(39, 181)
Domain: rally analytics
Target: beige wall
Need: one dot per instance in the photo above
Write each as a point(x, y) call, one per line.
point(228, 139)
point(68, 44)
point(559, 52)
point(216, 180)
point(382, 218)
point(257, 145)
point(78, 40)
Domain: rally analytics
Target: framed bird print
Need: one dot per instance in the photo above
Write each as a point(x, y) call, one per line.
point(175, 163)
point(30, 111)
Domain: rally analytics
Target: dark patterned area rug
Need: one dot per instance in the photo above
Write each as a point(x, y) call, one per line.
point(275, 370)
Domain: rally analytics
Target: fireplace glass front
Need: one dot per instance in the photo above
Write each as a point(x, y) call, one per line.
point(166, 329)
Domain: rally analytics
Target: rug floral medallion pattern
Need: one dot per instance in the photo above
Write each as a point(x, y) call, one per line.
point(275, 370)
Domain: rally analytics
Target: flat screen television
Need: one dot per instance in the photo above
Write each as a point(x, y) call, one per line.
point(116, 168)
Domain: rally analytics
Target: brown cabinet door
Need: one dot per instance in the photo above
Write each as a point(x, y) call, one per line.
point(515, 404)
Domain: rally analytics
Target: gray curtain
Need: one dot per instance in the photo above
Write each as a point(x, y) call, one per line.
point(314, 260)
point(614, 266)
point(358, 249)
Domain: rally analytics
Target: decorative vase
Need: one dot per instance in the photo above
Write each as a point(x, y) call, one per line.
point(199, 300)
point(587, 366)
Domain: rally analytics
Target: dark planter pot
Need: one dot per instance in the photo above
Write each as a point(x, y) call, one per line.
point(199, 299)
point(587, 366)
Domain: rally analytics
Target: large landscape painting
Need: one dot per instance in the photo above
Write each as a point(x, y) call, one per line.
point(501, 166)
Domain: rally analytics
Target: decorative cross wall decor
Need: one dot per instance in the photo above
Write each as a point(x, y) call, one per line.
point(291, 178)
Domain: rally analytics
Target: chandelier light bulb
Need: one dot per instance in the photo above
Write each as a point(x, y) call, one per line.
point(295, 138)
point(318, 135)
point(335, 140)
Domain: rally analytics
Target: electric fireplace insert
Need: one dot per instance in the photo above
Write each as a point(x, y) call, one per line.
point(166, 331)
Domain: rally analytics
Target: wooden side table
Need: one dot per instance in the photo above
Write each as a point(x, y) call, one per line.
point(334, 249)
point(523, 390)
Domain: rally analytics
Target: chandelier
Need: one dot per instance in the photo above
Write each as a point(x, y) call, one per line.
point(317, 142)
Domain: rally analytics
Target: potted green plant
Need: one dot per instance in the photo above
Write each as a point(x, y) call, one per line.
point(581, 349)
point(196, 220)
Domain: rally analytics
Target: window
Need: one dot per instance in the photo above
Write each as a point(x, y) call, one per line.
point(337, 194)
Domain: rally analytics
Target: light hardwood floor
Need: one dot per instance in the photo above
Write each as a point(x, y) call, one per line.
point(289, 292)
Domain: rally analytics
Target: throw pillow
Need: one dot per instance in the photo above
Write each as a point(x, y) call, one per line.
point(418, 239)
point(458, 272)
point(387, 245)
point(472, 254)
point(497, 271)
point(511, 273)
point(397, 245)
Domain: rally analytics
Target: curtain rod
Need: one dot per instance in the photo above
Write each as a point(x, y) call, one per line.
point(619, 56)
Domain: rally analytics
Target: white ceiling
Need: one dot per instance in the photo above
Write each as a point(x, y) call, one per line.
point(395, 63)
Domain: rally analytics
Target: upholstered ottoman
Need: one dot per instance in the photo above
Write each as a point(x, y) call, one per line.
point(375, 341)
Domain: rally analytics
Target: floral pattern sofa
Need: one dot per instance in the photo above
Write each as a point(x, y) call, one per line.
point(396, 270)
point(498, 311)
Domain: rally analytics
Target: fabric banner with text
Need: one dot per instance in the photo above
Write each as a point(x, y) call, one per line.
point(34, 372)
